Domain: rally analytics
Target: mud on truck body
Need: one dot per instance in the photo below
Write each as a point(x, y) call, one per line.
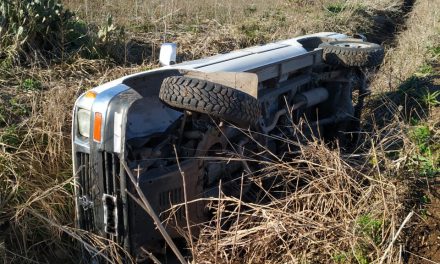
point(193, 111)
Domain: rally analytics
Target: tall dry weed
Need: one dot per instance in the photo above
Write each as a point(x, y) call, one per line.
point(203, 28)
point(410, 50)
point(36, 175)
point(323, 208)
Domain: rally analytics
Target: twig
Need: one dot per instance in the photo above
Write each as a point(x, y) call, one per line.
point(153, 215)
point(238, 215)
point(408, 217)
point(167, 15)
point(151, 256)
point(65, 229)
point(186, 203)
point(219, 213)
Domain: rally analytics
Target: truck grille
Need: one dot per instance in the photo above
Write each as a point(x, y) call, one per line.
point(112, 186)
point(96, 186)
point(111, 173)
point(85, 198)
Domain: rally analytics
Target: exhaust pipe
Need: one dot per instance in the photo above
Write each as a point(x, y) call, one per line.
point(312, 97)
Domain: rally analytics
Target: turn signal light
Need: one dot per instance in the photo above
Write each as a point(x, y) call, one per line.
point(97, 125)
point(90, 94)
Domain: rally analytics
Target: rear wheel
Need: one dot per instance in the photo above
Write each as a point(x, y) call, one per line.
point(352, 53)
point(229, 104)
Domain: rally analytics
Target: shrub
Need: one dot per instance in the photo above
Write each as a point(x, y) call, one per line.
point(31, 85)
point(10, 136)
point(31, 25)
point(426, 160)
point(370, 227)
point(45, 28)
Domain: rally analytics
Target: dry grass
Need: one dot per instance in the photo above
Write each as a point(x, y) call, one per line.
point(36, 175)
point(410, 51)
point(349, 212)
point(35, 159)
point(333, 209)
point(323, 208)
point(208, 27)
point(188, 13)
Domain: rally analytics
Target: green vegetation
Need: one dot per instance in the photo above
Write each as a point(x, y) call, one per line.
point(360, 257)
point(422, 96)
point(431, 99)
point(42, 29)
point(421, 135)
point(417, 88)
point(370, 227)
point(425, 70)
point(31, 85)
point(425, 199)
point(426, 159)
point(253, 31)
point(435, 51)
point(340, 257)
point(10, 136)
point(18, 108)
point(335, 8)
point(3, 114)
point(31, 24)
point(107, 30)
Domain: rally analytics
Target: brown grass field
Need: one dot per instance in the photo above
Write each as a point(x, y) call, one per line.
point(378, 204)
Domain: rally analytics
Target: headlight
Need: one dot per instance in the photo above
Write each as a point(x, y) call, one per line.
point(83, 120)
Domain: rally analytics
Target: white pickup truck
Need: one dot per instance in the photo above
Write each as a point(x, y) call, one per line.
point(198, 112)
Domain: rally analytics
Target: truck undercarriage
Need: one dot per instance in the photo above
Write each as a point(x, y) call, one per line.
point(187, 130)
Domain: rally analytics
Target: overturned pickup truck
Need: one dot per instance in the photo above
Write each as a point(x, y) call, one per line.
point(162, 126)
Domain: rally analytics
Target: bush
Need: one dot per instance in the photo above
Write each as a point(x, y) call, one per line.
point(31, 25)
point(30, 84)
point(45, 28)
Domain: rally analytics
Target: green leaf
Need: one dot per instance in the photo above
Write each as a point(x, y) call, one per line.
point(20, 31)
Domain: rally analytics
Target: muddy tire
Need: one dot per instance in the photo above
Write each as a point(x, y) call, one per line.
point(351, 53)
point(210, 98)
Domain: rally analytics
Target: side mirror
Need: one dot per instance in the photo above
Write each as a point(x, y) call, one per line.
point(167, 54)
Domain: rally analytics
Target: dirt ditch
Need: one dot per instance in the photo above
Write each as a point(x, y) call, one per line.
point(403, 68)
point(388, 23)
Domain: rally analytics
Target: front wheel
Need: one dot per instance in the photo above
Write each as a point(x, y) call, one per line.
point(352, 53)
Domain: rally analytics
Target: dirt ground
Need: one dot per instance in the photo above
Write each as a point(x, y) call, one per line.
point(423, 244)
point(424, 240)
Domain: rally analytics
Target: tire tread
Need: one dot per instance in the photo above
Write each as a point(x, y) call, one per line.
point(232, 105)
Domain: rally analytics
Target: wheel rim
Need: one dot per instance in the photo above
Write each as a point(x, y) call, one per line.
point(354, 45)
